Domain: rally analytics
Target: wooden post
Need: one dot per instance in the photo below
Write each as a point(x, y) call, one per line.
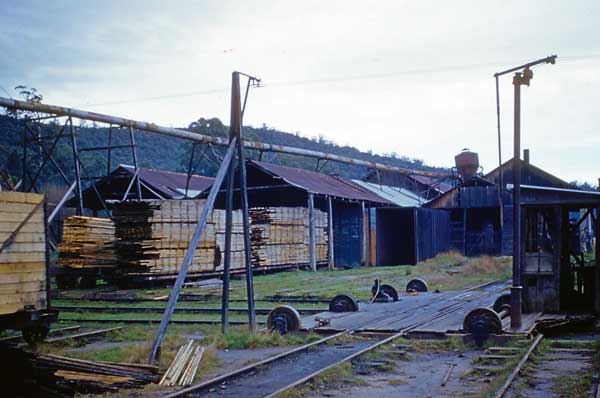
point(311, 231)
point(363, 235)
point(372, 236)
point(597, 269)
point(330, 257)
point(416, 235)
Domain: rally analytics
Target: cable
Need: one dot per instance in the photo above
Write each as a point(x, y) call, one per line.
point(284, 83)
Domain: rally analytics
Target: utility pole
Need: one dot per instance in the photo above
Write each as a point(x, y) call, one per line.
point(235, 134)
point(522, 76)
point(227, 168)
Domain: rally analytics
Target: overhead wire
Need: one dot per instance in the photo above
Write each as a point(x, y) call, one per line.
point(369, 76)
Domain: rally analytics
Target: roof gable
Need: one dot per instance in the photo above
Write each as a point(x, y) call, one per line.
point(531, 175)
point(168, 183)
point(319, 183)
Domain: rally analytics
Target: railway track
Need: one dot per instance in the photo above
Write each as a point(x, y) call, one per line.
point(157, 321)
point(274, 375)
point(181, 310)
point(203, 297)
point(17, 339)
point(552, 368)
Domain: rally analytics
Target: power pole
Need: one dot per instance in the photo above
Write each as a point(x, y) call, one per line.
point(227, 168)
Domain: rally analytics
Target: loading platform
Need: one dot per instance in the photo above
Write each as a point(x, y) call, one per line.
point(426, 312)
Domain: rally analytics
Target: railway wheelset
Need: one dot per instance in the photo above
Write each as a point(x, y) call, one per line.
point(285, 319)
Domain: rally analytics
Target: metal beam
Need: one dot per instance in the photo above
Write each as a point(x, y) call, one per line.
point(62, 202)
point(177, 133)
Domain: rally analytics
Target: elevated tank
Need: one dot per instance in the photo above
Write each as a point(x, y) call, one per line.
point(467, 164)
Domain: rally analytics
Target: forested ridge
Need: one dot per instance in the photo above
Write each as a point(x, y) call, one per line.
point(167, 153)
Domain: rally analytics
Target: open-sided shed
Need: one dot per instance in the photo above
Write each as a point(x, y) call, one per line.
point(121, 185)
point(345, 202)
point(556, 272)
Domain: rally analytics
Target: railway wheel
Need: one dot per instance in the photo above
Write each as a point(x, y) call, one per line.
point(283, 319)
point(386, 293)
point(343, 303)
point(481, 323)
point(35, 334)
point(417, 285)
point(501, 302)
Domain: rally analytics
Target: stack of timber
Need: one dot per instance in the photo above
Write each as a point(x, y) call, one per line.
point(22, 252)
point(87, 243)
point(237, 238)
point(152, 237)
point(184, 367)
point(280, 236)
point(32, 374)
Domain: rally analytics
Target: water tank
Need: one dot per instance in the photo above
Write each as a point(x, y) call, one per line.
point(467, 164)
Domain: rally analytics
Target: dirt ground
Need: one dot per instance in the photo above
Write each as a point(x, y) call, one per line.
point(230, 360)
point(421, 376)
point(550, 377)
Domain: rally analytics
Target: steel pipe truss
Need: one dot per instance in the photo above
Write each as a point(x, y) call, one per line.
point(178, 133)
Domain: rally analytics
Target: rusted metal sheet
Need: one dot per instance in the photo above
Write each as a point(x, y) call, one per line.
point(321, 184)
point(178, 133)
point(170, 183)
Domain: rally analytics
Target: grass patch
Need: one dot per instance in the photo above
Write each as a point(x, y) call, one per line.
point(450, 344)
point(333, 378)
point(397, 382)
point(573, 386)
point(241, 338)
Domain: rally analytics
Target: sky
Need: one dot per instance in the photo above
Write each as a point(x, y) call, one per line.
point(410, 77)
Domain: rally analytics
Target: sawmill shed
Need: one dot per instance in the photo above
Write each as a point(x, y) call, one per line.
point(422, 186)
point(121, 185)
point(271, 185)
point(403, 233)
point(406, 233)
point(481, 220)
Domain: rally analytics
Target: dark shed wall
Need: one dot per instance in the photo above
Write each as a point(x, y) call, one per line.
point(347, 223)
point(433, 232)
point(395, 236)
point(410, 235)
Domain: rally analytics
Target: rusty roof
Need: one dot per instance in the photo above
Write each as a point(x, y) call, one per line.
point(321, 184)
point(169, 184)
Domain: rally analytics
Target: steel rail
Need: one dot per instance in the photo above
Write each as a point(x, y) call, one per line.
point(249, 368)
point(225, 377)
point(187, 135)
point(504, 388)
point(401, 333)
point(154, 321)
point(181, 310)
point(19, 336)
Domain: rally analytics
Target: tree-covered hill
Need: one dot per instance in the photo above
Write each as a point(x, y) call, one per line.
point(167, 153)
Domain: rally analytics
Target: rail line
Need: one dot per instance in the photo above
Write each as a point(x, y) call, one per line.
point(511, 377)
point(252, 379)
point(181, 310)
point(158, 320)
point(282, 299)
point(579, 355)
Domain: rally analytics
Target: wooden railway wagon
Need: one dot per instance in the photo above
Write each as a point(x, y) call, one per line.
point(24, 283)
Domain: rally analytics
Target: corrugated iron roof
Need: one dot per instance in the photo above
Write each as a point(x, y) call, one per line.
point(433, 183)
point(170, 184)
point(322, 184)
point(399, 196)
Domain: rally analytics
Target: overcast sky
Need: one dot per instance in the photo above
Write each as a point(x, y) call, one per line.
point(411, 77)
